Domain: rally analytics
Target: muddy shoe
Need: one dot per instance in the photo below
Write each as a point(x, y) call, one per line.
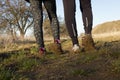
point(56, 48)
point(87, 43)
point(76, 48)
point(42, 52)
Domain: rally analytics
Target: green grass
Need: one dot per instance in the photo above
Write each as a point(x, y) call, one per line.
point(82, 72)
point(17, 63)
point(116, 66)
point(25, 64)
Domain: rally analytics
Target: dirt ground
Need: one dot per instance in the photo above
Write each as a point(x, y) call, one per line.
point(103, 64)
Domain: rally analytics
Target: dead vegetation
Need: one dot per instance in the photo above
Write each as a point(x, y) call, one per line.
point(24, 64)
point(20, 61)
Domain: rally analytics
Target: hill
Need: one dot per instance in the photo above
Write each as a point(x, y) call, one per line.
point(108, 31)
point(107, 27)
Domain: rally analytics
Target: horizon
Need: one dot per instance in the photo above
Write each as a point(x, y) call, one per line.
point(103, 11)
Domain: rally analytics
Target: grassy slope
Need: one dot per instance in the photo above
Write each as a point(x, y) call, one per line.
point(108, 31)
point(107, 27)
point(25, 64)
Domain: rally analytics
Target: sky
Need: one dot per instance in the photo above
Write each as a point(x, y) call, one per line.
point(103, 11)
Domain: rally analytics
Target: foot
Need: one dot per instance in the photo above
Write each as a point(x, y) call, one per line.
point(87, 42)
point(56, 47)
point(75, 47)
point(42, 51)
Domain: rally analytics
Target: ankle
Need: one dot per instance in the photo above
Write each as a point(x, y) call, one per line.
point(42, 50)
point(57, 41)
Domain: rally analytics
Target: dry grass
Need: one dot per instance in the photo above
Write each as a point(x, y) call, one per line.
point(107, 27)
point(108, 31)
point(24, 64)
point(113, 36)
point(99, 65)
point(7, 44)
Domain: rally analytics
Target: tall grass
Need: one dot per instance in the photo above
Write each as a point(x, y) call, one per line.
point(112, 36)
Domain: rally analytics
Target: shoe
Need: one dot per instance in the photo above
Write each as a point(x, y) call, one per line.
point(87, 43)
point(55, 47)
point(75, 47)
point(42, 51)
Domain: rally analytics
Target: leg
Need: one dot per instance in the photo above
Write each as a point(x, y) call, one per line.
point(85, 6)
point(87, 40)
point(38, 19)
point(69, 12)
point(27, 0)
point(50, 6)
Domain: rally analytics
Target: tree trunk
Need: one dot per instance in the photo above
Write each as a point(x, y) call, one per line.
point(22, 35)
point(13, 34)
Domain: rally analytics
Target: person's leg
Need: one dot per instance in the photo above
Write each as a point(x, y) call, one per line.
point(50, 6)
point(85, 6)
point(69, 13)
point(38, 20)
point(27, 0)
point(87, 40)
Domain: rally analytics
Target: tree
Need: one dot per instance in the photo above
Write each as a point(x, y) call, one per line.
point(18, 16)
